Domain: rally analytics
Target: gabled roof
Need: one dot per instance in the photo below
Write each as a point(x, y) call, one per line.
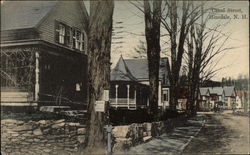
point(216, 90)
point(121, 72)
point(204, 91)
point(139, 68)
point(229, 91)
point(24, 14)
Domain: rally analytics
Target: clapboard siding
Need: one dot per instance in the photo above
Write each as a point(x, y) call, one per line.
point(20, 34)
point(68, 12)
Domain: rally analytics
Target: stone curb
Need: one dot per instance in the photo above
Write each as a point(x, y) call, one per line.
point(190, 139)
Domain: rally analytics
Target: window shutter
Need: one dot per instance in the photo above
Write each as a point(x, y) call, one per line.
point(67, 35)
point(70, 37)
point(82, 42)
point(74, 38)
point(56, 31)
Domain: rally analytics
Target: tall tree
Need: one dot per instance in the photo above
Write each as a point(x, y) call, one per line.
point(194, 63)
point(177, 19)
point(202, 51)
point(141, 50)
point(99, 48)
point(152, 32)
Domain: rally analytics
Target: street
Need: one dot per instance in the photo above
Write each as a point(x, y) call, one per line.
point(207, 133)
point(172, 142)
point(223, 133)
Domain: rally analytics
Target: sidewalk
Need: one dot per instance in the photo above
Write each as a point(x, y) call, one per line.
point(170, 143)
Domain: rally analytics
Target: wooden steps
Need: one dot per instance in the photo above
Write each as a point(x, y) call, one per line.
point(15, 97)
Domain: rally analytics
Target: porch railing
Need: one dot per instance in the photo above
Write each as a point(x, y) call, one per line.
point(123, 103)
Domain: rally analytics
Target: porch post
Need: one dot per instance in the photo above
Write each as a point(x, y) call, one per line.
point(128, 86)
point(135, 98)
point(159, 95)
point(36, 76)
point(116, 95)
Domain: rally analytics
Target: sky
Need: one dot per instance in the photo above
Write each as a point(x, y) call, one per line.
point(234, 62)
point(128, 25)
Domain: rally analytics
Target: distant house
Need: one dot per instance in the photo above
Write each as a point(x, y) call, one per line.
point(240, 98)
point(225, 96)
point(130, 83)
point(204, 99)
point(182, 97)
point(217, 94)
point(43, 53)
point(230, 96)
point(210, 96)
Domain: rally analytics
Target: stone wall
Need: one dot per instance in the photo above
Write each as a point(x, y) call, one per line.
point(62, 137)
point(40, 137)
point(130, 135)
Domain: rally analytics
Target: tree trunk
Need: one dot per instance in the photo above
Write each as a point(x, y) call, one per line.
point(177, 51)
point(99, 47)
point(152, 32)
point(195, 55)
point(173, 94)
point(173, 36)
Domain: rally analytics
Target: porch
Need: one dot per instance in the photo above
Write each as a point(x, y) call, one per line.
point(42, 75)
point(128, 95)
point(123, 103)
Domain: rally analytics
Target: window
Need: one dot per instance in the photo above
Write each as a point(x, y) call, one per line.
point(78, 40)
point(78, 87)
point(68, 36)
point(47, 66)
point(165, 95)
point(62, 34)
point(164, 79)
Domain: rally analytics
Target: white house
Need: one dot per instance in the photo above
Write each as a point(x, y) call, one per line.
point(137, 70)
point(230, 97)
point(241, 98)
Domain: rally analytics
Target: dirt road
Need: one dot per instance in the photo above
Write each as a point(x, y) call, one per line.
point(223, 133)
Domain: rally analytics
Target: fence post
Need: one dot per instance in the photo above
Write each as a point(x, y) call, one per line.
point(109, 131)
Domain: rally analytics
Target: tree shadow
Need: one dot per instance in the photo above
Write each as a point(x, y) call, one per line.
point(212, 136)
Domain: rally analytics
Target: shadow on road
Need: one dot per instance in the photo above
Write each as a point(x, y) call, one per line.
point(213, 137)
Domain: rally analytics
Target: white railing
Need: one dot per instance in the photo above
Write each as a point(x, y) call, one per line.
point(123, 103)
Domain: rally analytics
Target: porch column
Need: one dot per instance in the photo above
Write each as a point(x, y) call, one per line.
point(128, 86)
point(116, 95)
point(159, 95)
point(37, 76)
point(135, 97)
